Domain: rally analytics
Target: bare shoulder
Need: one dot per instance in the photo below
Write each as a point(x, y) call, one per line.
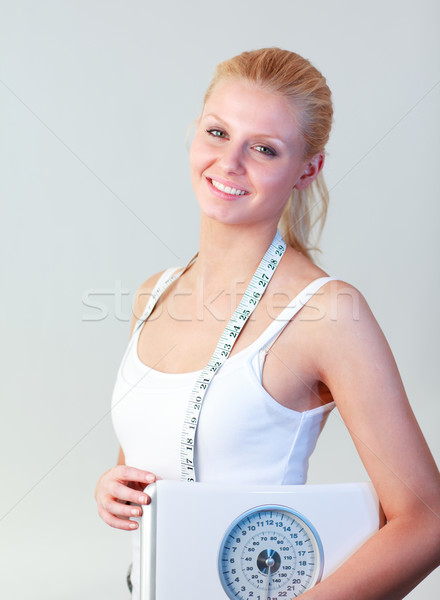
point(335, 302)
point(342, 305)
point(335, 328)
point(346, 338)
point(343, 309)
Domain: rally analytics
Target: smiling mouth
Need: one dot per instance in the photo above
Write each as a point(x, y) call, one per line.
point(226, 189)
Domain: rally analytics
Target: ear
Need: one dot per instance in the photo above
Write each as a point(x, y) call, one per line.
point(311, 171)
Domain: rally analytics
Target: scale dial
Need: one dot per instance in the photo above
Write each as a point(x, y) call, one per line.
point(270, 552)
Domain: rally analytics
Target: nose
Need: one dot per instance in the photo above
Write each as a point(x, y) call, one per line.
point(232, 158)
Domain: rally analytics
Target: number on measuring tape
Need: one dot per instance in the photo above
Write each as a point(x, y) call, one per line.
point(247, 305)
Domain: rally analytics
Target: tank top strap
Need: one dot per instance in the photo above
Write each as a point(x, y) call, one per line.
point(286, 315)
point(167, 273)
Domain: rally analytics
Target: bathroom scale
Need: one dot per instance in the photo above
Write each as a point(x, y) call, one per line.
point(204, 541)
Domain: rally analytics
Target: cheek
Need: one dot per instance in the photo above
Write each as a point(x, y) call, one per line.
point(193, 157)
point(199, 161)
point(288, 177)
point(277, 182)
point(199, 155)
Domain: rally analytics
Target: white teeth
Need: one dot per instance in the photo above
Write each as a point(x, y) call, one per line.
point(226, 189)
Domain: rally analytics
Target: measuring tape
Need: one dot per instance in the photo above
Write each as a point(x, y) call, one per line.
point(247, 305)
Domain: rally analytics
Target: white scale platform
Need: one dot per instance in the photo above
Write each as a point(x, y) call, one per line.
point(183, 528)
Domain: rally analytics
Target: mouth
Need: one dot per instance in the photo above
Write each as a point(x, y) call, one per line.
point(232, 191)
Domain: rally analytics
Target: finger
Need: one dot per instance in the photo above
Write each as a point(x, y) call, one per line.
point(119, 491)
point(126, 473)
point(135, 485)
point(117, 522)
point(122, 510)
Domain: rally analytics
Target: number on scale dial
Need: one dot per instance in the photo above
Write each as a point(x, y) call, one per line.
point(270, 552)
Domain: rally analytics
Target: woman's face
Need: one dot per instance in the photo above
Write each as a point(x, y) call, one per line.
point(246, 156)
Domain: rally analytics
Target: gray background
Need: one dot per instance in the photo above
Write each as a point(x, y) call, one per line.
point(96, 98)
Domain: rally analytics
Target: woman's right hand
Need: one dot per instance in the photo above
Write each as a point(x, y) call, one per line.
point(120, 495)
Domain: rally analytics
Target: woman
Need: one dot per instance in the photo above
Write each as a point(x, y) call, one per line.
point(256, 162)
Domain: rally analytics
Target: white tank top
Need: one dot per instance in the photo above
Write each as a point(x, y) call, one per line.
point(244, 435)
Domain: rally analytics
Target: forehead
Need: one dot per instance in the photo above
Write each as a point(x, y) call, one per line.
point(254, 108)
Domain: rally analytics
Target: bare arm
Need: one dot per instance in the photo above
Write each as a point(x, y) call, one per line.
point(357, 365)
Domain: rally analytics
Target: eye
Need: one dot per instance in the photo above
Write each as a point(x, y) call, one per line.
point(216, 132)
point(265, 150)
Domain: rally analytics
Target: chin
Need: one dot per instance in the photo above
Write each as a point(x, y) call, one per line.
point(219, 211)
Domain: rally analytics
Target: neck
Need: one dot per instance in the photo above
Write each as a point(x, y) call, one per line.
point(230, 253)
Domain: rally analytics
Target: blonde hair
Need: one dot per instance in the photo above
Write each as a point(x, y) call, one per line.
point(296, 79)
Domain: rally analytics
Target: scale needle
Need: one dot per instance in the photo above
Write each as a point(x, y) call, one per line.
point(269, 563)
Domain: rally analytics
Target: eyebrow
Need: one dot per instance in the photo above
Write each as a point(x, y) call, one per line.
point(263, 135)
